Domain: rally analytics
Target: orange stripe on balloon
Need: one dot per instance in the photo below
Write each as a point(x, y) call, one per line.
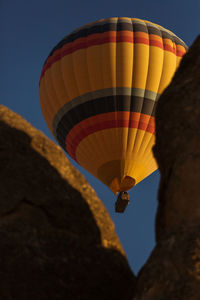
point(109, 116)
point(110, 37)
point(107, 121)
point(92, 40)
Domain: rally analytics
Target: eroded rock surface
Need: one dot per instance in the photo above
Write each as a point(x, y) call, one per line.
point(173, 269)
point(57, 240)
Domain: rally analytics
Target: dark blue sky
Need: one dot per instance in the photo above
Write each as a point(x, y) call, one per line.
point(30, 29)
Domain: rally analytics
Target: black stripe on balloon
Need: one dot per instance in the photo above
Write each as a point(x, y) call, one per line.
point(118, 26)
point(102, 105)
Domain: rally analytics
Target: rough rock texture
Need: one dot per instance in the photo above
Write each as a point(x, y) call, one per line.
point(173, 269)
point(57, 240)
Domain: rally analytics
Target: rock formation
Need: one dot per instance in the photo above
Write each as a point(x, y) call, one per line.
point(57, 240)
point(173, 269)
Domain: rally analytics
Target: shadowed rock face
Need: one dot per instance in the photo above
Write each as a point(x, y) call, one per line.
point(173, 269)
point(57, 240)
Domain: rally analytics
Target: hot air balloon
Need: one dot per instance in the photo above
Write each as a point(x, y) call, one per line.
point(98, 91)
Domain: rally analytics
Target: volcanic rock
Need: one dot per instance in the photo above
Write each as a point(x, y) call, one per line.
point(173, 269)
point(57, 240)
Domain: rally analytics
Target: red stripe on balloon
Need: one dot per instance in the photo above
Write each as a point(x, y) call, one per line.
point(107, 37)
point(84, 43)
point(74, 139)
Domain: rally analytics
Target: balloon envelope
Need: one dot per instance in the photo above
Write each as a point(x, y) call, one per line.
point(99, 88)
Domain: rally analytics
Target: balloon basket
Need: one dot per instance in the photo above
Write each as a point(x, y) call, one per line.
point(122, 202)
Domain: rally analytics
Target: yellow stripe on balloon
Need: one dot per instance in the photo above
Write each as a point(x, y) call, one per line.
point(92, 156)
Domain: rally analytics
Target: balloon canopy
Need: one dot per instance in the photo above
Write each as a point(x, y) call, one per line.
point(99, 88)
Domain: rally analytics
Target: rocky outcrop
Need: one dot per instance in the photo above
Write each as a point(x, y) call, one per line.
point(57, 240)
point(173, 270)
